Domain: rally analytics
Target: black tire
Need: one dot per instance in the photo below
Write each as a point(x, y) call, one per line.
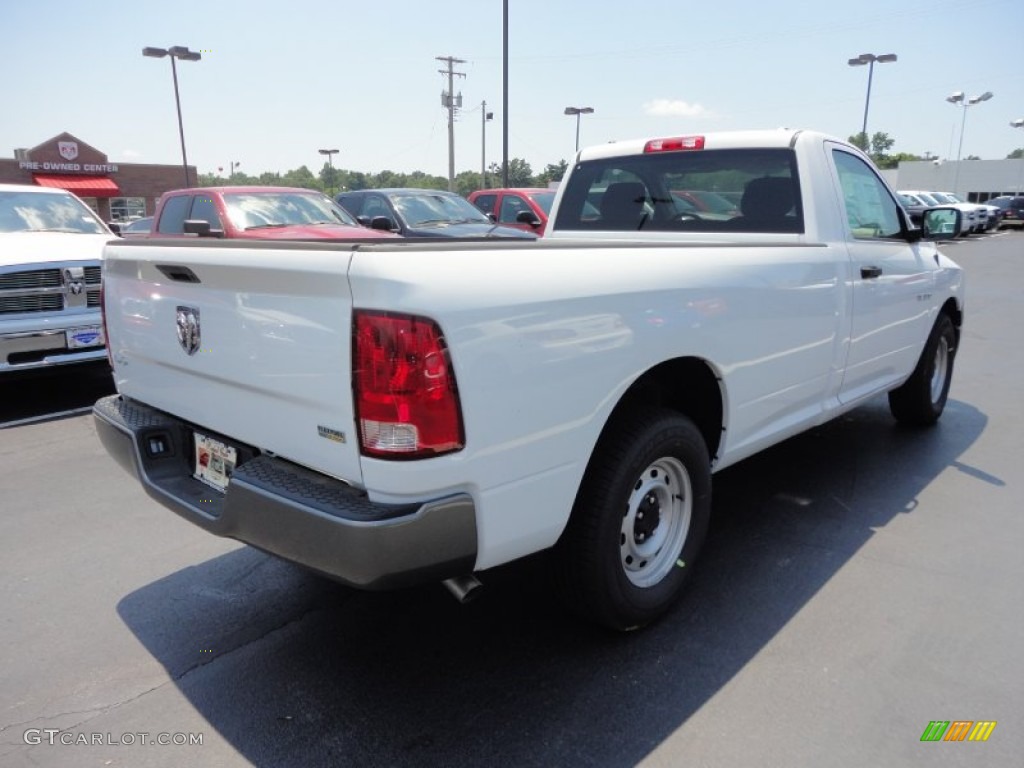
point(639, 521)
point(919, 402)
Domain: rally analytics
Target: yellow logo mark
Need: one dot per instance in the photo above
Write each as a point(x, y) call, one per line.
point(982, 730)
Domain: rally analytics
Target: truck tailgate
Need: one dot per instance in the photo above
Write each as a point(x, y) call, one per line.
point(249, 341)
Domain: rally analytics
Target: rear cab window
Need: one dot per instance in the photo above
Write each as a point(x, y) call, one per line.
point(654, 192)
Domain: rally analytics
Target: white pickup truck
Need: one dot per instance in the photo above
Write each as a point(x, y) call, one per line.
point(395, 412)
point(50, 249)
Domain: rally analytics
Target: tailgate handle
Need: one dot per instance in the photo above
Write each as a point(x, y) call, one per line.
point(178, 273)
point(868, 272)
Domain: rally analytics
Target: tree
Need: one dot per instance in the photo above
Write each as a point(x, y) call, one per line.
point(1017, 154)
point(519, 172)
point(553, 172)
point(301, 177)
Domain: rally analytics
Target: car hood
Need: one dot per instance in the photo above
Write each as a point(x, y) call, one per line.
point(314, 232)
point(36, 247)
point(469, 229)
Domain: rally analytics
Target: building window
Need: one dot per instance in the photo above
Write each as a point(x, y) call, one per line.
point(127, 208)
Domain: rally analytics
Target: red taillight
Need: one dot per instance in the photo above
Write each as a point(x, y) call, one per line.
point(676, 144)
point(103, 317)
point(407, 404)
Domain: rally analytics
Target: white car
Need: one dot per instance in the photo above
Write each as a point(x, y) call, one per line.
point(51, 246)
point(968, 222)
point(992, 212)
point(981, 211)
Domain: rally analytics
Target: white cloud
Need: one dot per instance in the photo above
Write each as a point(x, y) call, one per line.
point(674, 108)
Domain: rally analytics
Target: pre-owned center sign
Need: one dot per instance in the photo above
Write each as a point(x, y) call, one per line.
point(29, 165)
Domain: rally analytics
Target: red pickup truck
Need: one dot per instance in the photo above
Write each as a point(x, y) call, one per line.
point(256, 213)
point(524, 208)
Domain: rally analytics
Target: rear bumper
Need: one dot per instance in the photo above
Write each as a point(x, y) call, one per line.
point(292, 512)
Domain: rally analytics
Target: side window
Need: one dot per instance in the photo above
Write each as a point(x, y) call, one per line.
point(870, 209)
point(352, 203)
point(203, 208)
point(511, 205)
point(485, 202)
point(172, 217)
point(375, 206)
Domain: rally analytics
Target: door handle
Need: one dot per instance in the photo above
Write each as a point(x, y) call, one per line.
point(869, 272)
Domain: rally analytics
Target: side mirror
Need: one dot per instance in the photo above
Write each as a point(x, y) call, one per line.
point(116, 226)
point(528, 217)
point(491, 217)
point(201, 227)
point(383, 223)
point(941, 223)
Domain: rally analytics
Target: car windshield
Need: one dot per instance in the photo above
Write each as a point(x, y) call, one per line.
point(256, 210)
point(943, 197)
point(435, 209)
point(544, 200)
point(929, 199)
point(47, 212)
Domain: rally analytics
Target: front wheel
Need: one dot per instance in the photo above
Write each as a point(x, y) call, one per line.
point(921, 399)
point(639, 520)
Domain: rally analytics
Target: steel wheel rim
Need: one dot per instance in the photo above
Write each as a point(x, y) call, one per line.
point(656, 522)
point(940, 369)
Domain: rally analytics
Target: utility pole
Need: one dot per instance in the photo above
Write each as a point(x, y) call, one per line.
point(449, 100)
point(484, 117)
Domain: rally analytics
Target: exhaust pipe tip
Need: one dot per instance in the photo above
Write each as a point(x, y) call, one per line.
point(464, 588)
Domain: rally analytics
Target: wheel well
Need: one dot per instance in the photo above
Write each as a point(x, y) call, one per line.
point(687, 385)
point(950, 308)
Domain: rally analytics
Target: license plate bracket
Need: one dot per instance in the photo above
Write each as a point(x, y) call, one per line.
point(214, 461)
point(84, 337)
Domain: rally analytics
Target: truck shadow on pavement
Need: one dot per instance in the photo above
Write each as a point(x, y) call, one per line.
point(292, 670)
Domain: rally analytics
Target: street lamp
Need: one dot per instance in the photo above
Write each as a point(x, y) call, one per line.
point(1019, 123)
point(330, 161)
point(869, 59)
point(578, 111)
point(959, 98)
point(234, 164)
point(183, 53)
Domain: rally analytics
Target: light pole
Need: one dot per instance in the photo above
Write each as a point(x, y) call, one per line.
point(1019, 123)
point(869, 59)
point(176, 52)
point(578, 111)
point(234, 164)
point(959, 98)
point(330, 161)
point(484, 117)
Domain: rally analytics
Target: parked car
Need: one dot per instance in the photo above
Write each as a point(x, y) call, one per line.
point(256, 213)
point(51, 247)
point(137, 228)
point(980, 212)
point(422, 213)
point(914, 206)
point(525, 208)
point(1012, 208)
point(969, 222)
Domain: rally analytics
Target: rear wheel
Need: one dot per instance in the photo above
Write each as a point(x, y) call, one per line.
point(922, 398)
point(640, 519)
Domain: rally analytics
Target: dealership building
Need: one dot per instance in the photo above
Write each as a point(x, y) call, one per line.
point(116, 191)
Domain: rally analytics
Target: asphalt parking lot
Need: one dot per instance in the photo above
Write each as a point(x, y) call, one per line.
point(860, 581)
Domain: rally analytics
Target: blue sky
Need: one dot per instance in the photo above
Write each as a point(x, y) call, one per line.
point(280, 80)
